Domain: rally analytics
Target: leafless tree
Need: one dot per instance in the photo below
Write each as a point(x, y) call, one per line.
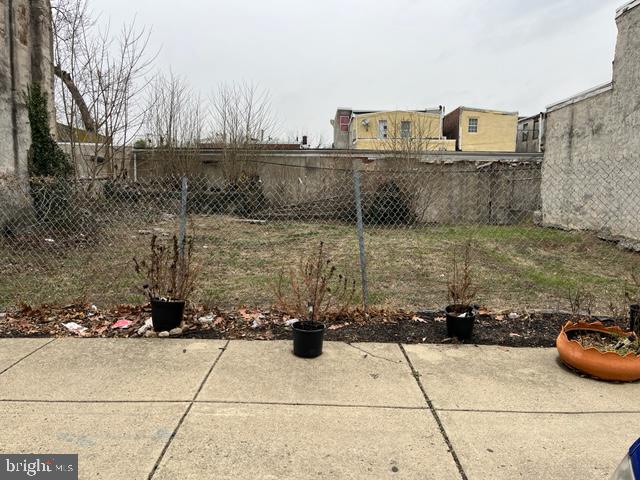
point(407, 137)
point(174, 123)
point(100, 80)
point(404, 141)
point(242, 122)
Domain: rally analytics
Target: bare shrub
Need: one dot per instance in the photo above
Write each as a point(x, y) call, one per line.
point(581, 301)
point(461, 288)
point(314, 289)
point(168, 272)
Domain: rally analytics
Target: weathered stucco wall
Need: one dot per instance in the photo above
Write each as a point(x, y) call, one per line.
point(25, 58)
point(591, 170)
point(442, 188)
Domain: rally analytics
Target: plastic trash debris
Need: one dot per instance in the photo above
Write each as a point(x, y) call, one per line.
point(513, 315)
point(257, 323)
point(338, 326)
point(291, 321)
point(206, 319)
point(49, 240)
point(629, 468)
point(75, 327)
point(122, 323)
point(148, 323)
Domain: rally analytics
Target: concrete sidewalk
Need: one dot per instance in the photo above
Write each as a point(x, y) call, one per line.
point(199, 409)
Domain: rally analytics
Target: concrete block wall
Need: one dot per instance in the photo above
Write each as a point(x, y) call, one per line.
point(442, 188)
point(591, 173)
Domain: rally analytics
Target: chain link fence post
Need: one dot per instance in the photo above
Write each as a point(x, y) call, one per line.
point(182, 234)
point(360, 233)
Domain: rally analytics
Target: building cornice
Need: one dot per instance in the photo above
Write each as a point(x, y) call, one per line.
point(625, 8)
point(592, 92)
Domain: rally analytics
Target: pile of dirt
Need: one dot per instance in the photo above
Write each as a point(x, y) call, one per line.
point(527, 329)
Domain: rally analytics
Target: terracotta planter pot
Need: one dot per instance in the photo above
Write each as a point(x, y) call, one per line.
point(603, 365)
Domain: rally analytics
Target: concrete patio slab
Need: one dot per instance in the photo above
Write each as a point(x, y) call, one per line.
point(563, 447)
point(229, 441)
point(522, 379)
point(361, 374)
point(13, 349)
point(113, 441)
point(112, 369)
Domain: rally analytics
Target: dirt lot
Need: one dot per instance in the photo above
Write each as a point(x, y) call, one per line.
point(516, 267)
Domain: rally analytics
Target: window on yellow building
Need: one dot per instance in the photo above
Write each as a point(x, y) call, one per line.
point(473, 125)
point(405, 130)
point(383, 131)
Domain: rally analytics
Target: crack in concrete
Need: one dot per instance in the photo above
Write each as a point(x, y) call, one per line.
point(181, 421)
point(27, 355)
point(373, 354)
point(436, 417)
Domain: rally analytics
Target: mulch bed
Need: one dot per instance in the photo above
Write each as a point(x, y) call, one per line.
point(530, 329)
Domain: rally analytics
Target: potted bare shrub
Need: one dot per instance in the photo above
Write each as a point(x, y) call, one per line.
point(169, 281)
point(312, 291)
point(461, 291)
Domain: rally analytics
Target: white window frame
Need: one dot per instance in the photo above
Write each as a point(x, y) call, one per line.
point(383, 129)
point(472, 126)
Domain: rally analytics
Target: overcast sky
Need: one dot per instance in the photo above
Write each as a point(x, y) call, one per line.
point(316, 55)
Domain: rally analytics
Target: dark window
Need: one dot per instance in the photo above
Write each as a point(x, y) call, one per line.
point(473, 125)
point(344, 123)
point(536, 129)
point(405, 130)
point(525, 132)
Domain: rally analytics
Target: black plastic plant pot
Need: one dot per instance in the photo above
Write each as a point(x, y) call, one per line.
point(166, 314)
point(460, 320)
point(307, 338)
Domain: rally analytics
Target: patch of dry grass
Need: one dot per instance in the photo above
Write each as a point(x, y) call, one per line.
point(515, 266)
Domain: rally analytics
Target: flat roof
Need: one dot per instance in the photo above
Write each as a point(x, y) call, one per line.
point(530, 117)
point(429, 110)
point(484, 110)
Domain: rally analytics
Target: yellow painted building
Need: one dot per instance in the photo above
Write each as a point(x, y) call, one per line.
point(419, 130)
point(479, 130)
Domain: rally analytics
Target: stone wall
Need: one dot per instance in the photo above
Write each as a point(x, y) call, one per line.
point(591, 172)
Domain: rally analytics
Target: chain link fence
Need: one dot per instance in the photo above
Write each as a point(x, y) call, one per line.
point(394, 230)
